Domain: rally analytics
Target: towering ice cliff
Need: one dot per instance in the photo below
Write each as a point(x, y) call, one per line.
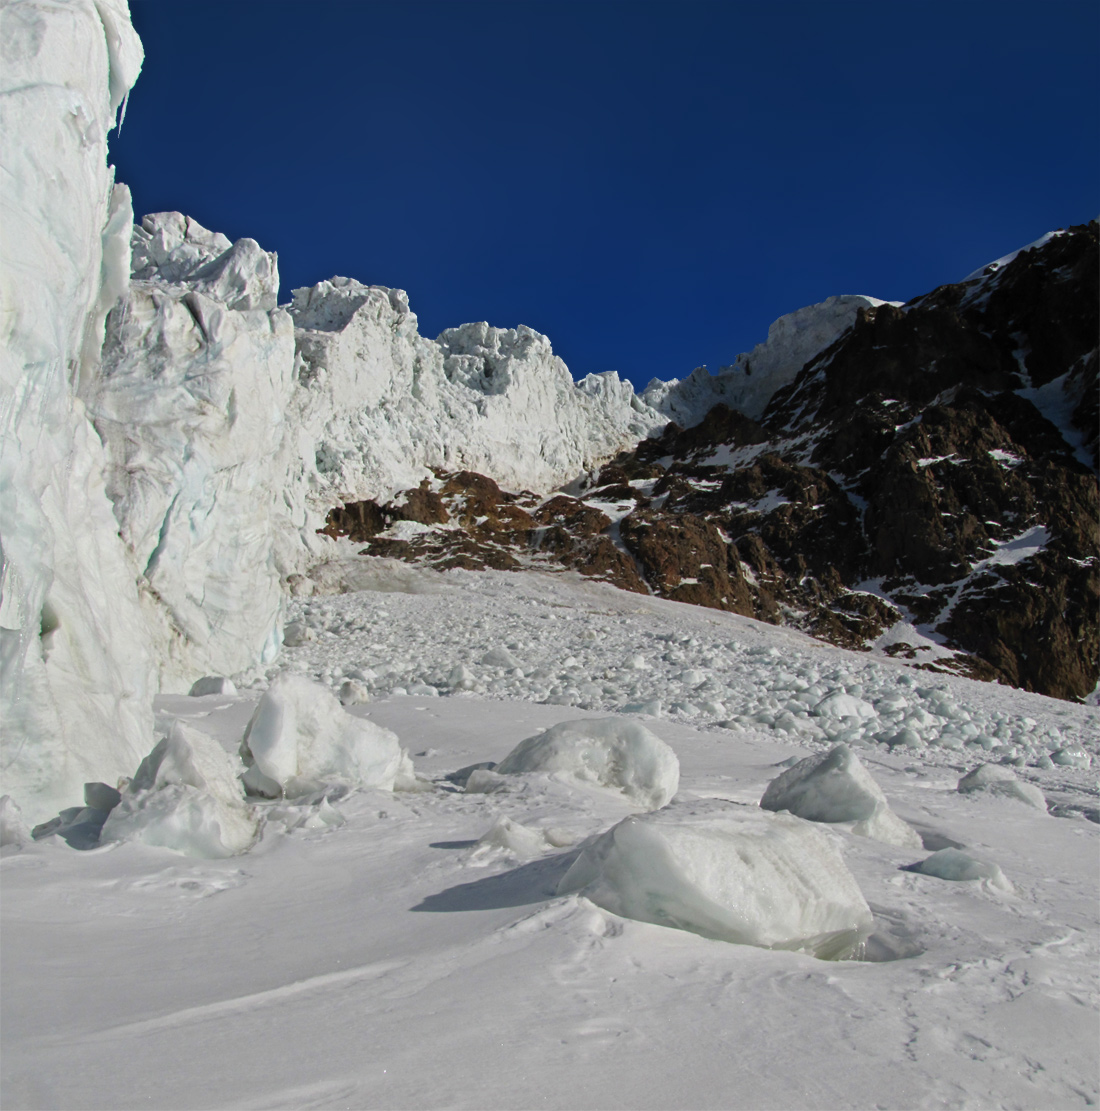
point(75, 680)
point(196, 381)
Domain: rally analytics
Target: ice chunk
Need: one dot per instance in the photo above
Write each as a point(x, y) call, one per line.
point(608, 752)
point(954, 864)
point(509, 836)
point(185, 796)
point(353, 693)
point(841, 705)
point(212, 684)
point(996, 779)
point(300, 736)
point(13, 830)
point(730, 873)
point(1071, 758)
point(499, 657)
point(836, 787)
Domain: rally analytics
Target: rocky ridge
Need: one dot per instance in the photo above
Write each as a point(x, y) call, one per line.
point(925, 486)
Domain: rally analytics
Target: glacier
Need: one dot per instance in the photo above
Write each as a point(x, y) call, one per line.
point(172, 438)
point(76, 674)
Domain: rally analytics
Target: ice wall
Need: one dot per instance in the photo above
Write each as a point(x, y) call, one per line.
point(379, 403)
point(196, 379)
point(75, 680)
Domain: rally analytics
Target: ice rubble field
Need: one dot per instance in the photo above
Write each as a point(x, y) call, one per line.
point(456, 942)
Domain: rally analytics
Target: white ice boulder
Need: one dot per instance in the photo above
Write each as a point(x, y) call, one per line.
point(954, 864)
point(185, 796)
point(605, 752)
point(997, 779)
point(300, 737)
point(835, 787)
point(730, 873)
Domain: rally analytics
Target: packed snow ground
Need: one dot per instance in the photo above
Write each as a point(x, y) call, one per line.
point(409, 948)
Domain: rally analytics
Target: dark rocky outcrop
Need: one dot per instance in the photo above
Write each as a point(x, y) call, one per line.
point(931, 475)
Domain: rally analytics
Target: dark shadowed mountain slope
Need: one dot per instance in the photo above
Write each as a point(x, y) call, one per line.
point(926, 486)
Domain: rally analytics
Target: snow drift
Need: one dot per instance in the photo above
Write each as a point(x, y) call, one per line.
point(727, 873)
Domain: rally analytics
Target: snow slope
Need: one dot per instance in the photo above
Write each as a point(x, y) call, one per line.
point(417, 955)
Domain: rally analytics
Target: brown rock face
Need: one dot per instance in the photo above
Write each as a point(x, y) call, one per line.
point(936, 465)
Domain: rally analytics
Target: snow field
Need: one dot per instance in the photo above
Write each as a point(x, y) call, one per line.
point(411, 949)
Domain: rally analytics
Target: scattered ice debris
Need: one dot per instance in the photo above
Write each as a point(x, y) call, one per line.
point(835, 787)
point(731, 873)
point(13, 829)
point(307, 815)
point(185, 796)
point(997, 779)
point(300, 738)
point(212, 684)
point(954, 864)
point(524, 842)
point(608, 752)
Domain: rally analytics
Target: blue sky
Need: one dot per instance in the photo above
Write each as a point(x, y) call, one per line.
point(650, 184)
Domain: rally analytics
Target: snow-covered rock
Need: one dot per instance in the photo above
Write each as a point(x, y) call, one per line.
point(300, 737)
point(197, 375)
point(731, 873)
point(75, 667)
point(212, 684)
point(607, 752)
point(834, 786)
point(185, 796)
point(997, 779)
point(749, 383)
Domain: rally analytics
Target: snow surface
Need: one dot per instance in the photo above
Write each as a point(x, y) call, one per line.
point(409, 949)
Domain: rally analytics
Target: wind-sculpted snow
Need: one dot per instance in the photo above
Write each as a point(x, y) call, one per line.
point(197, 376)
point(75, 674)
point(727, 873)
